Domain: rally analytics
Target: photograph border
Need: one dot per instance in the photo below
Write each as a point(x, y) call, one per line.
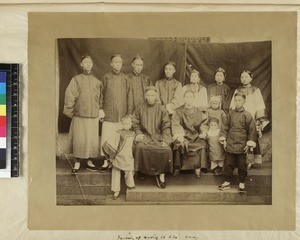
point(43, 30)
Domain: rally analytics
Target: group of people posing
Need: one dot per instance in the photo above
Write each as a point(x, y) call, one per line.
point(153, 129)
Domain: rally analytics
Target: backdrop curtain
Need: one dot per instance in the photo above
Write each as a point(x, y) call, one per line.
point(205, 57)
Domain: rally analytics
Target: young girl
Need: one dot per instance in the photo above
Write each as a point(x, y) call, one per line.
point(198, 89)
point(121, 158)
point(219, 88)
point(83, 103)
point(215, 110)
point(169, 89)
point(255, 105)
point(215, 148)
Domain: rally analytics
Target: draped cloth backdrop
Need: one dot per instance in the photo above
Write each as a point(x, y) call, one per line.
point(204, 57)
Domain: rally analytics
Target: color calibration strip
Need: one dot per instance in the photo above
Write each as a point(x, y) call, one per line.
point(3, 123)
point(9, 120)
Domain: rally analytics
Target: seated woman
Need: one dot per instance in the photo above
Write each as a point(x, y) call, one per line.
point(152, 152)
point(189, 130)
point(198, 89)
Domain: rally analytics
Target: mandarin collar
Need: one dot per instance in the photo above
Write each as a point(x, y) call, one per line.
point(116, 73)
point(240, 110)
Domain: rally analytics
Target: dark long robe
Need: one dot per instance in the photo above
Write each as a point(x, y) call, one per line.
point(150, 156)
point(138, 85)
point(190, 123)
point(220, 90)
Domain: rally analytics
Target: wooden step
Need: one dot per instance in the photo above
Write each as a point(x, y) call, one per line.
point(194, 193)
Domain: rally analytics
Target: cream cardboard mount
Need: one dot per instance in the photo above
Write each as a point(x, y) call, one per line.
point(233, 27)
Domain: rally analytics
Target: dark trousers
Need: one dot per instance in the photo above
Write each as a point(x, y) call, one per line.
point(235, 160)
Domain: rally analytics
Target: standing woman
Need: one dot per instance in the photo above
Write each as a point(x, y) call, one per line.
point(255, 105)
point(198, 89)
point(219, 88)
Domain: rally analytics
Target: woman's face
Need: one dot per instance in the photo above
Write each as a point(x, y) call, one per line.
point(194, 78)
point(219, 77)
point(246, 78)
point(169, 71)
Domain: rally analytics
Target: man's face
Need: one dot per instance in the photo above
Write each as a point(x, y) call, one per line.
point(189, 99)
point(87, 64)
point(194, 78)
point(116, 63)
point(151, 96)
point(169, 71)
point(219, 77)
point(137, 66)
point(245, 78)
point(239, 102)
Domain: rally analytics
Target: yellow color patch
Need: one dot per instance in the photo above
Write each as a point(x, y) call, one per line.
point(2, 110)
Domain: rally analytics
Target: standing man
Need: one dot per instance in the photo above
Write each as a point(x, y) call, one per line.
point(83, 104)
point(116, 104)
point(170, 90)
point(138, 81)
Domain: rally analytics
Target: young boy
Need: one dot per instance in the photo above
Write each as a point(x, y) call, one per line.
point(170, 90)
point(83, 103)
point(238, 136)
point(121, 158)
point(116, 103)
point(138, 81)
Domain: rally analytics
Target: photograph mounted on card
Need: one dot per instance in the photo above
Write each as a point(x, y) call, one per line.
point(196, 81)
point(161, 122)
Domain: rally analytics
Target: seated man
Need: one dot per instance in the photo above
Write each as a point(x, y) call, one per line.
point(151, 123)
point(189, 130)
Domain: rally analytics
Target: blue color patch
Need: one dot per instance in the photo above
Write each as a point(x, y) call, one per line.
point(2, 76)
point(2, 88)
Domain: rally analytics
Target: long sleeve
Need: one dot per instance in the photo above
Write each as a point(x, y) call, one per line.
point(158, 92)
point(101, 96)
point(252, 133)
point(260, 104)
point(225, 126)
point(203, 97)
point(166, 127)
point(136, 122)
point(70, 98)
point(177, 100)
point(177, 129)
point(231, 106)
point(130, 103)
point(204, 124)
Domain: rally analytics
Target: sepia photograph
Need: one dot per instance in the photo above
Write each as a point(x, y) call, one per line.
point(163, 121)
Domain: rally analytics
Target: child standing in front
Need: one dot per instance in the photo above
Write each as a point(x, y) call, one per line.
point(238, 136)
point(121, 158)
point(215, 148)
point(215, 111)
